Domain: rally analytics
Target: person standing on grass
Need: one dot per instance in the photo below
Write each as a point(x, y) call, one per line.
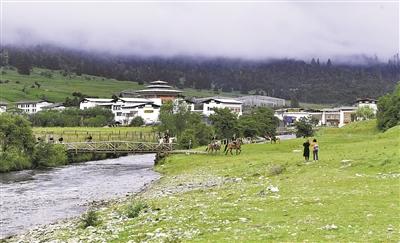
point(315, 149)
point(306, 153)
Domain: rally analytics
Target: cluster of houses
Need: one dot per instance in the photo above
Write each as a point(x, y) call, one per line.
point(146, 104)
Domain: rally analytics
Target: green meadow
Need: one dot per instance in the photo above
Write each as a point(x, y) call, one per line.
point(57, 87)
point(350, 195)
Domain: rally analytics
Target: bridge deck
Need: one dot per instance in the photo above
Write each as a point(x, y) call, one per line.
point(118, 147)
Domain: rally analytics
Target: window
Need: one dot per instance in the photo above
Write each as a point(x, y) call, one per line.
point(148, 111)
point(119, 113)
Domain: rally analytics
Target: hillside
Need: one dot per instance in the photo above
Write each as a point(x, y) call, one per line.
point(309, 81)
point(350, 195)
point(56, 87)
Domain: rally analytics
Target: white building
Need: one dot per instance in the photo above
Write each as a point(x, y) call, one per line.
point(210, 104)
point(55, 106)
point(3, 107)
point(338, 116)
point(250, 101)
point(148, 112)
point(290, 115)
point(180, 101)
point(125, 109)
point(366, 102)
point(31, 107)
point(93, 102)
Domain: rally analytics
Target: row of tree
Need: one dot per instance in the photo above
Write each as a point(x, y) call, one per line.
point(313, 81)
point(73, 117)
point(191, 130)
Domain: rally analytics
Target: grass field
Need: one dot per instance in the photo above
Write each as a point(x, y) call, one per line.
point(80, 134)
point(57, 88)
point(350, 195)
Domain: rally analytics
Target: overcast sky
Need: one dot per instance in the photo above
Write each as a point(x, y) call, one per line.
point(251, 30)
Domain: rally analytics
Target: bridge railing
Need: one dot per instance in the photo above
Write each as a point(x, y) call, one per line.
point(118, 147)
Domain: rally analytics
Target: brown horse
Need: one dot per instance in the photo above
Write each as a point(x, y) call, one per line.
point(214, 146)
point(235, 144)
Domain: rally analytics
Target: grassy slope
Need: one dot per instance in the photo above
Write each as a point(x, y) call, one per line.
point(361, 199)
point(58, 87)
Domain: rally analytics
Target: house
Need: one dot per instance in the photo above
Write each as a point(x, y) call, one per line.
point(338, 116)
point(209, 104)
point(367, 102)
point(148, 112)
point(31, 107)
point(125, 109)
point(55, 106)
point(251, 101)
point(290, 115)
point(93, 102)
point(3, 107)
point(180, 101)
point(156, 89)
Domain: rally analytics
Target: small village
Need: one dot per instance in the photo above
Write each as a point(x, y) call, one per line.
point(146, 104)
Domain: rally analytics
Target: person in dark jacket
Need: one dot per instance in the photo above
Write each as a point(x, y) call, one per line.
point(306, 153)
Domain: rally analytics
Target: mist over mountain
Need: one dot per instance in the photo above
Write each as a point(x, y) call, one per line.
point(314, 80)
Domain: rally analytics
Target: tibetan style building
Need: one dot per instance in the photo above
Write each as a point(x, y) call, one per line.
point(159, 89)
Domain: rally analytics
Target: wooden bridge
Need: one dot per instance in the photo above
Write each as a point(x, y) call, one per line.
point(116, 147)
point(129, 147)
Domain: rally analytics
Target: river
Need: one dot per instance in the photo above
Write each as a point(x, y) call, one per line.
point(34, 197)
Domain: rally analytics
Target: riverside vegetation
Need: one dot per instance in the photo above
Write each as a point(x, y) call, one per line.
point(268, 193)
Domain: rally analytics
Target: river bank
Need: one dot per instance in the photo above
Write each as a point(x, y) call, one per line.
point(268, 193)
point(36, 197)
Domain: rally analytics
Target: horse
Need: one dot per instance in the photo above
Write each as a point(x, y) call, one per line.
point(236, 144)
point(274, 139)
point(89, 138)
point(214, 146)
point(164, 140)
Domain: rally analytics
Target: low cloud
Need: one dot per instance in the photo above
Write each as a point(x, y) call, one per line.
point(237, 29)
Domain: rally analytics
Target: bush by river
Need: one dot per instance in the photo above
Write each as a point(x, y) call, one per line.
point(19, 150)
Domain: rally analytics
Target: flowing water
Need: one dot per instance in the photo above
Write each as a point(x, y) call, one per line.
point(34, 197)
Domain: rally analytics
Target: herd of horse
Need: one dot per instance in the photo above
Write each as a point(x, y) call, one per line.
point(235, 144)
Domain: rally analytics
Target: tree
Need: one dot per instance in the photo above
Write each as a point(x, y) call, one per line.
point(294, 102)
point(388, 114)
point(304, 127)
point(225, 123)
point(137, 121)
point(23, 64)
point(15, 131)
point(365, 113)
point(260, 122)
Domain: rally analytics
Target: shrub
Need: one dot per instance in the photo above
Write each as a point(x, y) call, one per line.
point(187, 139)
point(49, 155)
point(91, 218)
point(137, 122)
point(134, 209)
point(14, 159)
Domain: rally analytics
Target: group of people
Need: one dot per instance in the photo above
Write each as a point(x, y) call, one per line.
point(314, 147)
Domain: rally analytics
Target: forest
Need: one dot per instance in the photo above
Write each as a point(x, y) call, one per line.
point(310, 81)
